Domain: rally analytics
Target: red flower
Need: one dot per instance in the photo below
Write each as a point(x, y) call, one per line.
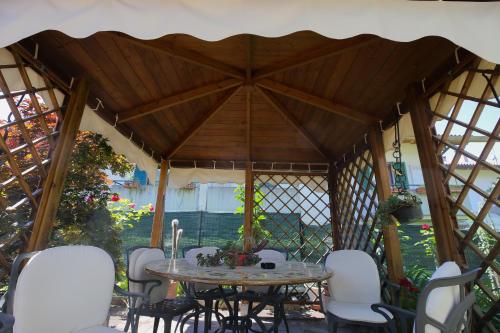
point(425, 226)
point(132, 205)
point(405, 283)
point(151, 208)
point(115, 197)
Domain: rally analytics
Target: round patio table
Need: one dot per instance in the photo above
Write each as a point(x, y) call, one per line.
point(288, 273)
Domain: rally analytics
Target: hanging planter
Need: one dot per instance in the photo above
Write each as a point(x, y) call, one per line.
point(404, 206)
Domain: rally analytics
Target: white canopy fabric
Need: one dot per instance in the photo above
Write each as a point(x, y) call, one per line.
point(90, 120)
point(474, 26)
point(121, 145)
point(446, 105)
point(180, 177)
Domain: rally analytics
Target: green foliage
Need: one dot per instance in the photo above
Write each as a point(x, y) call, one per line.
point(418, 275)
point(88, 213)
point(230, 255)
point(395, 202)
point(429, 241)
point(259, 233)
point(411, 286)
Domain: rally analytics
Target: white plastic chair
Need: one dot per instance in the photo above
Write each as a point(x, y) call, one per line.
point(258, 293)
point(154, 303)
point(208, 293)
point(64, 289)
point(354, 287)
point(443, 306)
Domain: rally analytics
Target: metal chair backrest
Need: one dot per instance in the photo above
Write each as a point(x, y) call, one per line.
point(138, 280)
point(453, 310)
point(17, 266)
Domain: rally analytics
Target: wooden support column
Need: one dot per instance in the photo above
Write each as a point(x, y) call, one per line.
point(392, 244)
point(433, 177)
point(54, 183)
point(158, 219)
point(334, 213)
point(247, 226)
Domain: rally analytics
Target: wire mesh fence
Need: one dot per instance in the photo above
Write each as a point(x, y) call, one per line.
point(295, 210)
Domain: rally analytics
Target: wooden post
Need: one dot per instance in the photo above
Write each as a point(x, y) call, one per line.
point(157, 227)
point(54, 183)
point(332, 188)
point(433, 177)
point(392, 244)
point(247, 225)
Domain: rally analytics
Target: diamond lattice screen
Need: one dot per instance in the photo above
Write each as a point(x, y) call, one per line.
point(356, 199)
point(466, 119)
point(295, 209)
point(30, 114)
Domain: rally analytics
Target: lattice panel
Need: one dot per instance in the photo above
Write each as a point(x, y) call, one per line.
point(466, 132)
point(30, 114)
point(357, 201)
point(297, 214)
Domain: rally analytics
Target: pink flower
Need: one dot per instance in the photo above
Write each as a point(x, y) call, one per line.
point(151, 208)
point(132, 205)
point(115, 197)
point(425, 226)
point(89, 199)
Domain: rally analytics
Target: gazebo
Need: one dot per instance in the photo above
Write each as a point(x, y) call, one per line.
point(265, 93)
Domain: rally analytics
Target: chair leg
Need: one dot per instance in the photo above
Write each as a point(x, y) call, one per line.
point(195, 326)
point(135, 326)
point(277, 313)
point(127, 323)
point(335, 326)
point(155, 325)
point(168, 325)
point(208, 315)
point(283, 313)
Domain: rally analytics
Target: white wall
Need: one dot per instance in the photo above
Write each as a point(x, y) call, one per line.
point(473, 201)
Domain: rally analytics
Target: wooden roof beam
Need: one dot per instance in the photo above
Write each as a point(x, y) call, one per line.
point(295, 123)
point(317, 101)
point(192, 57)
point(306, 57)
point(202, 121)
point(177, 99)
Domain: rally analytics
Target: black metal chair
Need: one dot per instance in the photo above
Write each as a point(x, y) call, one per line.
point(440, 307)
point(262, 295)
point(6, 323)
point(209, 294)
point(146, 297)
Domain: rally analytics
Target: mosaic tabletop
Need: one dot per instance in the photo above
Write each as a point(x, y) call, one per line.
point(291, 272)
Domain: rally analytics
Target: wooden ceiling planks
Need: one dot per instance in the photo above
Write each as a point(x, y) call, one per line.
point(156, 86)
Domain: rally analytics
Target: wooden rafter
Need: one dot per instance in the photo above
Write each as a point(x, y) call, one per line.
point(183, 54)
point(203, 120)
point(309, 56)
point(320, 102)
point(177, 99)
point(288, 116)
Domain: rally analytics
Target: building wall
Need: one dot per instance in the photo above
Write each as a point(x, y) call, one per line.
point(474, 202)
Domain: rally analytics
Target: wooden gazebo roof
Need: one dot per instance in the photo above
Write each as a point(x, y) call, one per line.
point(297, 98)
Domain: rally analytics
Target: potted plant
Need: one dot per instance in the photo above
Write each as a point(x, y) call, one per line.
point(404, 206)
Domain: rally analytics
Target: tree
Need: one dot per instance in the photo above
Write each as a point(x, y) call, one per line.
point(88, 212)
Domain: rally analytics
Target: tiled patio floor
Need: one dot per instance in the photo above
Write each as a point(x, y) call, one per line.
point(313, 324)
